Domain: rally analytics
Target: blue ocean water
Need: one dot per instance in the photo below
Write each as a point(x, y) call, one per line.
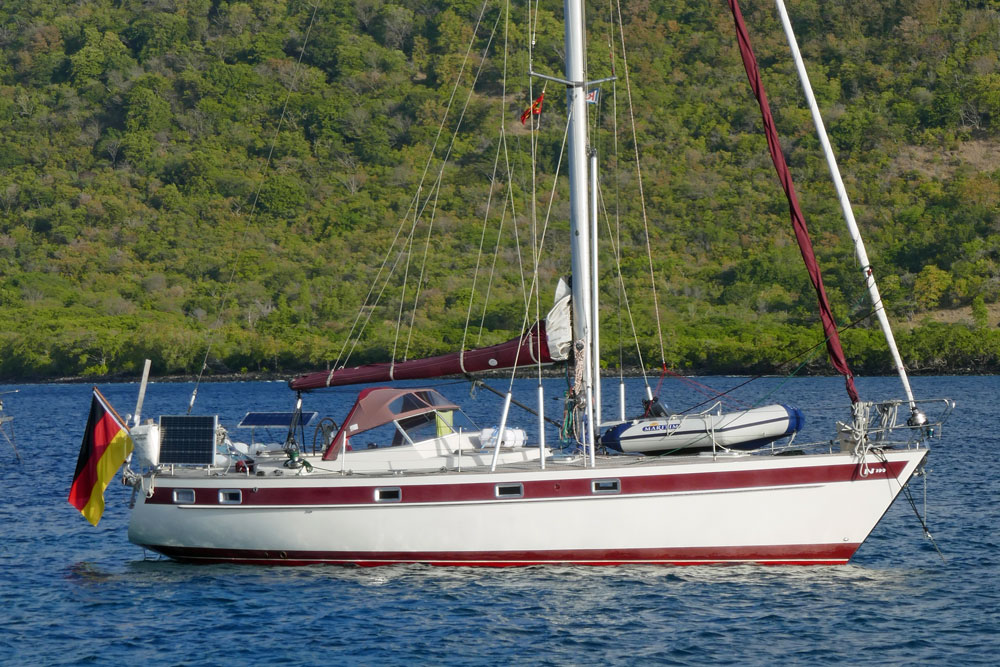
point(73, 594)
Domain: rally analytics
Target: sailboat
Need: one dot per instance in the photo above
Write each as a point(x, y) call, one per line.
point(400, 479)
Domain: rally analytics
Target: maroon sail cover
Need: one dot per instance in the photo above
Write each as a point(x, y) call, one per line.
point(376, 406)
point(529, 349)
point(833, 346)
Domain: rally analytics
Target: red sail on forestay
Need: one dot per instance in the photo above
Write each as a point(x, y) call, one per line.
point(833, 346)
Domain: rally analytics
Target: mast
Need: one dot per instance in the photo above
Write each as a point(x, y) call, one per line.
point(579, 225)
point(845, 205)
point(595, 328)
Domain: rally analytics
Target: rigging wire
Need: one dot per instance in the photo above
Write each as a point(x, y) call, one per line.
point(492, 274)
point(253, 207)
point(501, 143)
point(369, 309)
point(350, 339)
point(809, 353)
point(482, 244)
point(508, 199)
point(923, 524)
point(622, 290)
point(354, 336)
point(536, 250)
point(541, 243)
point(533, 143)
point(420, 283)
point(432, 199)
point(616, 237)
point(408, 251)
point(638, 169)
point(909, 497)
point(510, 202)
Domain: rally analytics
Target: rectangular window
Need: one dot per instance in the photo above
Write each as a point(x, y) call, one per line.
point(230, 496)
point(510, 490)
point(183, 496)
point(605, 486)
point(389, 494)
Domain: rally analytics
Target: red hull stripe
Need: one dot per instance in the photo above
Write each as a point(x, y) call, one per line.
point(533, 490)
point(809, 554)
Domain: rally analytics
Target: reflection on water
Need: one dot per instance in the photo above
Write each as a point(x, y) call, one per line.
point(85, 572)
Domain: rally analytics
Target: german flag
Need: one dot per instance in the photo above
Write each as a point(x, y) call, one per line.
point(106, 443)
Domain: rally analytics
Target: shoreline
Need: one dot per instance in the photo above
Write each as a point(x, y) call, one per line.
point(548, 373)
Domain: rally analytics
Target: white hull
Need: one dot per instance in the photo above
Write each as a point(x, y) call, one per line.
point(746, 429)
point(793, 509)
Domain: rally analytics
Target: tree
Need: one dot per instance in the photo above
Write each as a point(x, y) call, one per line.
point(929, 286)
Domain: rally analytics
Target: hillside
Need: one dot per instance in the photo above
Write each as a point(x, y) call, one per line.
point(190, 177)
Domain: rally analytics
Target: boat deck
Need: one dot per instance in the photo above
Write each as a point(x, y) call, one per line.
point(274, 465)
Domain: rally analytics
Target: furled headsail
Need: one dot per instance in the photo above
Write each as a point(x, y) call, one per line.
point(546, 342)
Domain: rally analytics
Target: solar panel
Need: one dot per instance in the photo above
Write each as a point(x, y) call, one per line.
point(187, 439)
point(255, 419)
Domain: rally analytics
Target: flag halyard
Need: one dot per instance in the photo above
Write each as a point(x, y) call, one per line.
point(106, 444)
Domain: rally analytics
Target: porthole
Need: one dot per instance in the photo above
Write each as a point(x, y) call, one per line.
point(230, 496)
point(510, 490)
point(605, 486)
point(389, 494)
point(183, 496)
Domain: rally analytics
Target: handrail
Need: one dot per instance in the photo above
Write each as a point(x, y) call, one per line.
point(875, 421)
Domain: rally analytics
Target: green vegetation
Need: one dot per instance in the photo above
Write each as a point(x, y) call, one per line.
point(137, 218)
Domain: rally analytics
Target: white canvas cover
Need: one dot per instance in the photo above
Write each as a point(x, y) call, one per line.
point(558, 325)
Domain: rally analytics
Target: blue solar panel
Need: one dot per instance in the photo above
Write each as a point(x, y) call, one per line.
point(284, 419)
point(187, 439)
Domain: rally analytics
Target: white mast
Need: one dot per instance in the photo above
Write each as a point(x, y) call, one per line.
point(845, 205)
point(595, 328)
point(579, 226)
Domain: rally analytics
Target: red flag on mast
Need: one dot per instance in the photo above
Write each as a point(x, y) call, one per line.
point(535, 108)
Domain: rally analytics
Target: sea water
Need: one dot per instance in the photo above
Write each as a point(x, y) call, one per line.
point(74, 594)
